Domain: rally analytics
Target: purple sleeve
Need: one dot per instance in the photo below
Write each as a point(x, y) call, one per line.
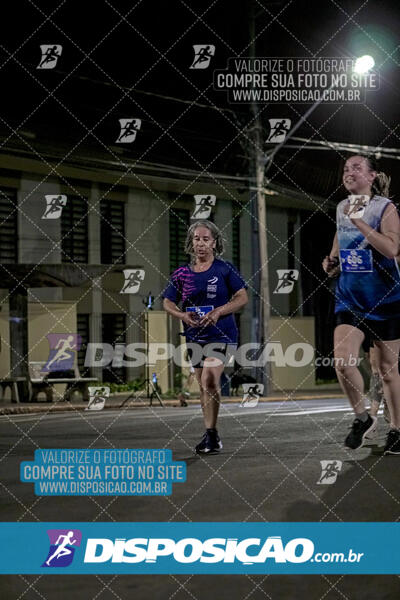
point(172, 291)
point(234, 279)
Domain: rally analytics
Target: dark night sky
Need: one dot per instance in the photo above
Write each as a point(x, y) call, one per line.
point(147, 47)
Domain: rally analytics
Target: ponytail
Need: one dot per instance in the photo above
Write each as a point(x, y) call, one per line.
point(381, 184)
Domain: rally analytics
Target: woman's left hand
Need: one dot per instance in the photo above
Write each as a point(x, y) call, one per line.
point(210, 318)
point(351, 210)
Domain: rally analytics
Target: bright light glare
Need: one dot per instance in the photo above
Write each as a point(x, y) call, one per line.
point(364, 64)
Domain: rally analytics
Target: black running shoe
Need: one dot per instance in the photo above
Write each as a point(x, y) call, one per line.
point(359, 432)
point(210, 443)
point(392, 445)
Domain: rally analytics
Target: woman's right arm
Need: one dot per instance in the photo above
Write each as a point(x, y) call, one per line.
point(330, 264)
point(175, 311)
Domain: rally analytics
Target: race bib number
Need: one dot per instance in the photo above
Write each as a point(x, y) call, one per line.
point(200, 311)
point(356, 261)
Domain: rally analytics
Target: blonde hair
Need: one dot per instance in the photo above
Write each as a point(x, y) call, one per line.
point(381, 183)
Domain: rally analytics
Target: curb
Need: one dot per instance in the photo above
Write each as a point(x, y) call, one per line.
point(63, 406)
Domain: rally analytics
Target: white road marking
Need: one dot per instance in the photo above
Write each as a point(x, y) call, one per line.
point(271, 408)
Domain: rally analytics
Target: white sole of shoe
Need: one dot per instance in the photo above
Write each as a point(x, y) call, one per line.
point(206, 451)
point(365, 438)
point(370, 433)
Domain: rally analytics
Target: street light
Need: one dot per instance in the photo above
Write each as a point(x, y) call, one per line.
point(364, 64)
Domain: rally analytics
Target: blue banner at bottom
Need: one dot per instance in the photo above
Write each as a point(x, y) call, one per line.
point(206, 548)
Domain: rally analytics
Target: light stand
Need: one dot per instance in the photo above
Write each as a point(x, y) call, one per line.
point(148, 302)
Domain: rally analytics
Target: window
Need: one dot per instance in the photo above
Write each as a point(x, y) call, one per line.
point(74, 230)
point(179, 221)
point(112, 232)
point(8, 226)
point(114, 332)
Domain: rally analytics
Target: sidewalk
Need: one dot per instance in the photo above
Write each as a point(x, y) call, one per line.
point(116, 400)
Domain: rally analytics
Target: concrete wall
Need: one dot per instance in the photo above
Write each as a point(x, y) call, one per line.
point(57, 317)
point(293, 331)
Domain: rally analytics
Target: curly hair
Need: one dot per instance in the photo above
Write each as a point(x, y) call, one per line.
point(215, 233)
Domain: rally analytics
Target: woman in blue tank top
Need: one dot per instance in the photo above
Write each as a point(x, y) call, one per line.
point(367, 294)
point(210, 290)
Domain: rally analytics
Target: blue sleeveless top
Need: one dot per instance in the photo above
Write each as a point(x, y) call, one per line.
point(375, 293)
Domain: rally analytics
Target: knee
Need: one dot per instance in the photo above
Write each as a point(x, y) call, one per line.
point(344, 365)
point(388, 371)
point(209, 384)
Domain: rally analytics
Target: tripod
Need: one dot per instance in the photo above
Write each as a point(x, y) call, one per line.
point(148, 382)
point(151, 395)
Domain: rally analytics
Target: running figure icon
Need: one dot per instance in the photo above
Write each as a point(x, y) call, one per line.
point(54, 207)
point(287, 279)
point(279, 129)
point(50, 55)
point(251, 394)
point(202, 56)
point(63, 345)
point(253, 391)
point(330, 471)
point(132, 280)
point(129, 129)
point(62, 549)
point(204, 205)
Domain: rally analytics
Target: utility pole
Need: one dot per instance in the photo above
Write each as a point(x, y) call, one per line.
point(261, 298)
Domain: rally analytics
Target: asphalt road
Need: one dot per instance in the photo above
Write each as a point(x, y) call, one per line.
point(268, 471)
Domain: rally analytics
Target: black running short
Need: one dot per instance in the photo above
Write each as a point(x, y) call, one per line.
point(373, 330)
point(197, 352)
